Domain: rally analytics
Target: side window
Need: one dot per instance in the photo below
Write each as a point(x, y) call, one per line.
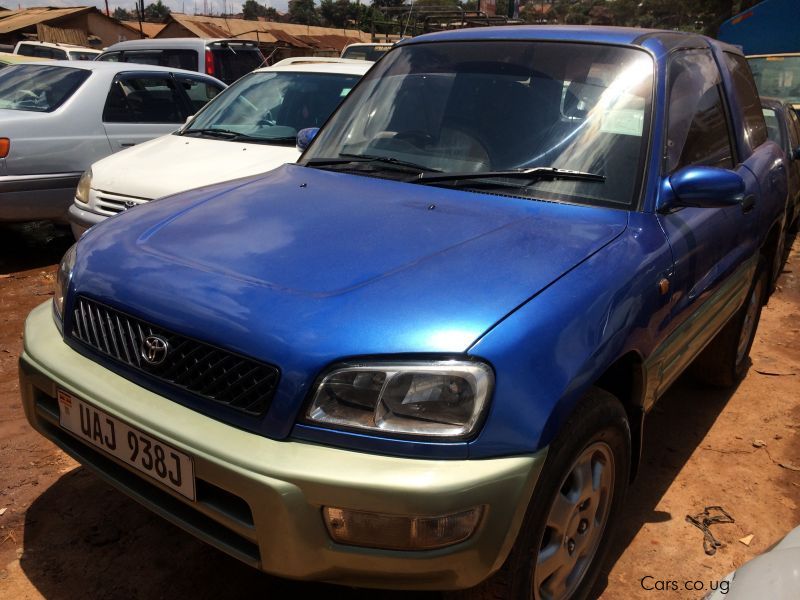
point(755, 129)
point(794, 128)
point(25, 50)
point(199, 91)
point(773, 126)
point(180, 59)
point(110, 56)
point(150, 99)
point(142, 57)
point(697, 127)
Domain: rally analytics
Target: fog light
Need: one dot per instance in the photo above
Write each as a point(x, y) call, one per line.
point(399, 532)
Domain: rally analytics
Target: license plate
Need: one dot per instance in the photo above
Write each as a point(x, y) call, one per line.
point(146, 454)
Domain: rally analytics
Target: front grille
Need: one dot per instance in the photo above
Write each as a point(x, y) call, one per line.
point(223, 377)
point(110, 204)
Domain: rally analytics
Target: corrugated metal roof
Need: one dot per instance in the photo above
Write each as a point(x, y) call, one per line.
point(21, 19)
point(298, 36)
point(151, 30)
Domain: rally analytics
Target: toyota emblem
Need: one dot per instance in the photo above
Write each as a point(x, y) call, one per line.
point(154, 350)
point(129, 204)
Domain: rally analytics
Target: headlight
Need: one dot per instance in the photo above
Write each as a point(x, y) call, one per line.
point(432, 399)
point(84, 184)
point(63, 278)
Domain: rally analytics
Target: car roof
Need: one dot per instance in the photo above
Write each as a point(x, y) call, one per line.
point(58, 45)
point(347, 67)
point(632, 36)
point(114, 67)
point(174, 43)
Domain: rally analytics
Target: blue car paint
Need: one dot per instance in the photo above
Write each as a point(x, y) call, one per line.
point(324, 267)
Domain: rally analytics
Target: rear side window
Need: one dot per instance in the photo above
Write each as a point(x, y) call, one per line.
point(697, 131)
point(78, 55)
point(144, 100)
point(755, 128)
point(42, 51)
point(39, 88)
point(232, 63)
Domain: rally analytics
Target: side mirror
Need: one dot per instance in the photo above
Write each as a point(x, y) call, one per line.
point(189, 119)
point(305, 136)
point(702, 187)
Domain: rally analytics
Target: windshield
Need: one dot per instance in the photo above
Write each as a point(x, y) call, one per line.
point(496, 107)
point(38, 88)
point(273, 106)
point(367, 52)
point(777, 77)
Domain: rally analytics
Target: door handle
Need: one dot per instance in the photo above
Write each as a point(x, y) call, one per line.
point(749, 203)
point(127, 144)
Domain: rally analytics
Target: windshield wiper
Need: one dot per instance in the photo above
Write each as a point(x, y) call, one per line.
point(345, 158)
point(533, 174)
point(213, 131)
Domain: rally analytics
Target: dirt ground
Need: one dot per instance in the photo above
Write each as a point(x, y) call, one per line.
point(65, 535)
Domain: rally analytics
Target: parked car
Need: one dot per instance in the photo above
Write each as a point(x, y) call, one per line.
point(422, 357)
point(370, 52)
point(783, 128)
point(59, 118)
point(251, 128)
point(227, 60)
point(7, 58)
point(55, 51)
point(778, 76)
point(774, 574)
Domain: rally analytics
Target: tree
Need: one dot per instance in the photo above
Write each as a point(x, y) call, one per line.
point(156, 13)
point(303, 12)
point(336, 13)
point(252, 10)
point(123, 15)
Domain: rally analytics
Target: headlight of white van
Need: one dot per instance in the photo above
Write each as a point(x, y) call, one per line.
point(441, 399)
point(84, 184)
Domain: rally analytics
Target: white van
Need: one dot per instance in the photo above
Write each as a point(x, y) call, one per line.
point(248, 129)
point(55, 51)
point(225, 59)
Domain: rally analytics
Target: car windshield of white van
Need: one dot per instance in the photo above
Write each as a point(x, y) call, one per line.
point(551, 120)
point(39, 88)
point(271, 107)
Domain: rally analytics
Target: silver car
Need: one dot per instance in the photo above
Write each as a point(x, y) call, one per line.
point(56, 119)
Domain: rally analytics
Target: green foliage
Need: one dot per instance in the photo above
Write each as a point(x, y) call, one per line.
point(123, 15)
point(156, 13)
point(251, 10)
point(341, 13)
point(303, 12)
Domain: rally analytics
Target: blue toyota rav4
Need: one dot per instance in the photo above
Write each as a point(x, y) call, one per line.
point(422, 358)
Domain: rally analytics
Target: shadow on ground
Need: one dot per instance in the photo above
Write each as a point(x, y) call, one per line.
point(673, 430)
point(32, 245)
point(85, 539)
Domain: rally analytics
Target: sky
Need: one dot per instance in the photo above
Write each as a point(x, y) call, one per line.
point(187, 6)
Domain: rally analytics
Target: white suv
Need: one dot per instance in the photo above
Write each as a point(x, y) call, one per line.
point(248, 129)
point(56, 51)
point(227, 60)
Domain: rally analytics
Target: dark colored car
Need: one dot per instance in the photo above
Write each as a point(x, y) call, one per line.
point(783, 128)
point(423, 357)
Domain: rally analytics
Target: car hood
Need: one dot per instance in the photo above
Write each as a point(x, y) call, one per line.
point(173, 163)
point(302, 262)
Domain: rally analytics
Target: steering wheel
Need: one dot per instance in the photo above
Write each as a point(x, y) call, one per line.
point(26, 98)
point(417, 137)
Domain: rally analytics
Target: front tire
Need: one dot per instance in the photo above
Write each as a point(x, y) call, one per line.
point(566, 533)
